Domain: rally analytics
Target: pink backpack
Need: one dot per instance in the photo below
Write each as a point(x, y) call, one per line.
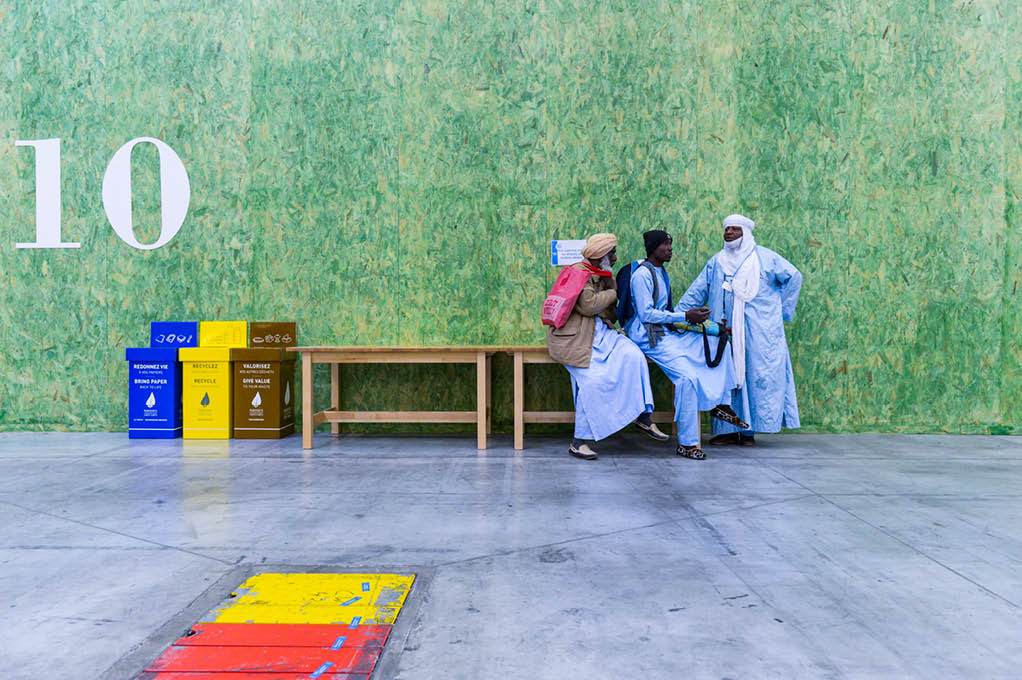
point(561, 300)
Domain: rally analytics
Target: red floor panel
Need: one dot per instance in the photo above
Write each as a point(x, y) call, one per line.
point(261, 660)
point(252, 676)
point(284, 635)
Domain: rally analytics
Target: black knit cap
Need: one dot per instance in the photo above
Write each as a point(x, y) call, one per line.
point(654, 238)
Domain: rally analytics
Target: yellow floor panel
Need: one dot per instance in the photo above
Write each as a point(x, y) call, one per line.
point(315, 598)
point(303, 613)
point(319, 588)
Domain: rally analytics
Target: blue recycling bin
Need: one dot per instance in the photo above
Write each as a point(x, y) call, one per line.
point(154, 393)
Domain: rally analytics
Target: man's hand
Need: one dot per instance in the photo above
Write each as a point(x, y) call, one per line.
point(697, 315)
point(612, 283)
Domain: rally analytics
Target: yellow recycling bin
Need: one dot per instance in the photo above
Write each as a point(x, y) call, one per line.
point(206, 392)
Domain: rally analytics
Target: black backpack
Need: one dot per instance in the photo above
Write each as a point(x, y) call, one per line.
point(625, 310)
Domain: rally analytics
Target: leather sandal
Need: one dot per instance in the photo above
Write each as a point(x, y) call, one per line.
point(693, 452)
point(728, 415)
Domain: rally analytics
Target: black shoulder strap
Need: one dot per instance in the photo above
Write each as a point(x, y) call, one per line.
point(722, 341)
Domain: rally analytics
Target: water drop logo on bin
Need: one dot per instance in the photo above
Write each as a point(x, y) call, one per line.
point(151, 401)
point(205, 399)
point(287, 395)
point(257, 400)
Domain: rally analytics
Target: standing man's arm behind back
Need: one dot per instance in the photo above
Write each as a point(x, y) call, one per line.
point(789, 283)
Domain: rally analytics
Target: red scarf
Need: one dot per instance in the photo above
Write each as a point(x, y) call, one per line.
point(596, 270)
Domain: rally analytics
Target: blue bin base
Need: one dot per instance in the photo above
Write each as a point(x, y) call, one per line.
point(154, 434)
point(154, 393)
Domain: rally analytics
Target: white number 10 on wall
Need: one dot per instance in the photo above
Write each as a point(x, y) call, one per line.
point(175, 194)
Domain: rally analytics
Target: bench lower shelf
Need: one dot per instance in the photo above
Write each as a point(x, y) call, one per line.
point(395, 417)
point(569, 417)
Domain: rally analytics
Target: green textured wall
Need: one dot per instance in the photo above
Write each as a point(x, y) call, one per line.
point(391, 172)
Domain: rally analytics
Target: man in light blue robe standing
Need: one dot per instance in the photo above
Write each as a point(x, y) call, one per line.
point(680, 355)
point(756, 290)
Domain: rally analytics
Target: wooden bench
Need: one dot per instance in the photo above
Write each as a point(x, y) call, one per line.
point(538, 355)
point(480, 356)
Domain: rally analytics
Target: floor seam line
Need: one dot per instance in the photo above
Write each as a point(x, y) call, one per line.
point(115, 532)
point(900, 540)
point(504, 553)
point(921, 552)
point(750, 507)
point(672, 520)
point(106, 451)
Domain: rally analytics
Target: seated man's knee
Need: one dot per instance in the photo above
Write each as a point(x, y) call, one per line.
point(632, 351)
point(684, 385)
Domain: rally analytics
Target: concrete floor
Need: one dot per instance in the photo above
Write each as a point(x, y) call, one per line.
point(811, 556)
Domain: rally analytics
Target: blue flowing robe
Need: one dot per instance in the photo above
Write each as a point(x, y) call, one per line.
point(767, 400)
point(614, 390)
point(697, 387)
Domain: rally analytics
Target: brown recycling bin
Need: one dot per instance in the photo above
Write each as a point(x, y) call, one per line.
point(264, 383)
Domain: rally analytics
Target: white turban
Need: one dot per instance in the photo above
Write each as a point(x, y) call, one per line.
point(739, 221)
point(599, 245)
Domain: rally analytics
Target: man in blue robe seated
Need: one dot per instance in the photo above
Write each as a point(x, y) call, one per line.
point(609, 374)
point(680, 355)
point(756, 290)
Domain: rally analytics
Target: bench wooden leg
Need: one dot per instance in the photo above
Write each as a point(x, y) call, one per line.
point(489, 394)
point(481, 401)
point(335, 394)
point(307, 405)
point(519, 408)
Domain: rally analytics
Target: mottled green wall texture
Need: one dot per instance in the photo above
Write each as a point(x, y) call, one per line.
point(391, 172)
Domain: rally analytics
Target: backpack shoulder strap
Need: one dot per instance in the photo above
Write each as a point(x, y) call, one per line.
point(655, 331)
point(670, 292)
point(656, 284)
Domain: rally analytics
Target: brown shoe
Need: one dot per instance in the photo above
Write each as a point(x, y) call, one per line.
point(728, 439)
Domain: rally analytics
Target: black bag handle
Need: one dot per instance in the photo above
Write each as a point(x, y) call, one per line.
point(722, 341)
